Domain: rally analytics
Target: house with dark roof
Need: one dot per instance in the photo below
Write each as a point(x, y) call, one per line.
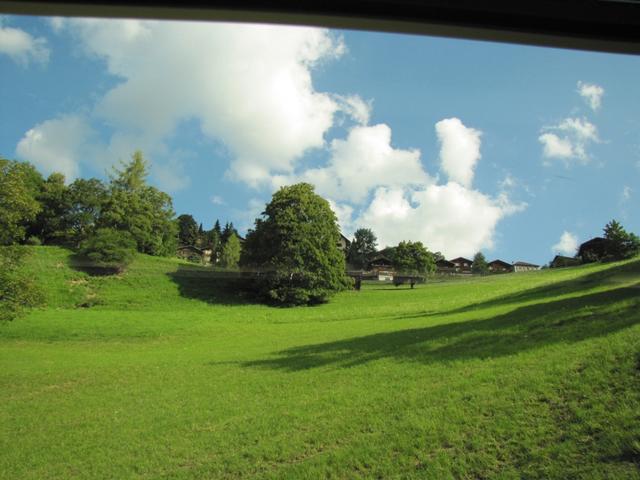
point(560, 261)
point(498, 266)
point(445, 266)
point(194, 254)
point(343, 244)
point(593, 250)
point(381, 267)
point(462, 265)
point(524, 266)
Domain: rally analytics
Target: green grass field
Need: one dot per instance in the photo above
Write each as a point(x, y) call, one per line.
point(160, 374)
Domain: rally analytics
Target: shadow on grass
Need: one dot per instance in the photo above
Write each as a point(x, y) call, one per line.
point(83, 264)
point(627, 272)
point(528, 327)
point(209, 285)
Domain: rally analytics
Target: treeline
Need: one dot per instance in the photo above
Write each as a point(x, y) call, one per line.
point(37, 210)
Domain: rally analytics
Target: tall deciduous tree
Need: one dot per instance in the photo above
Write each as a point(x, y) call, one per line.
point(480, 265)
point(87, 198)
point(294, 244)
point(19, 186)
point(143, 211)
point(413, 258)
point(187, 230)
point(362, 247)
point(51, 223)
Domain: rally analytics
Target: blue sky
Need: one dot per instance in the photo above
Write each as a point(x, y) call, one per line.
point(521, 152)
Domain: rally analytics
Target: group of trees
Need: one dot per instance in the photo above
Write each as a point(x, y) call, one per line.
point(224, 243)
point(126, 211)
point(38, 210)
point(619, 244)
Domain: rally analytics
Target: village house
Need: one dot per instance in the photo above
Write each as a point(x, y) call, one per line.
point(560, 261)
point(498, 266)
point(194, 254)
point(445, 266)
point(381, 268)
point(524, 267)
point(592, 250)
point(343, 244)
point(462, 265)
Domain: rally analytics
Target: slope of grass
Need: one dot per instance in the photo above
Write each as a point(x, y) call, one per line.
point(159, 373)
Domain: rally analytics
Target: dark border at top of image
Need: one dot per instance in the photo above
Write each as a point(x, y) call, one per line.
point(598, 25)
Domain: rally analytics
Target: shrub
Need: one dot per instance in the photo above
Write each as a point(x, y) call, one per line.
point(109, 250)
point(17, 290)
point(33, 241)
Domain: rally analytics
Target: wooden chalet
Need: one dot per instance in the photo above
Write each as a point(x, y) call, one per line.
point(381, 267)
point(462, 265)
point(560, 261)
point(445, 267)
point(194, 254)
point(593, 250)
point(343, 244)
point(499, 266)
point(524, 267)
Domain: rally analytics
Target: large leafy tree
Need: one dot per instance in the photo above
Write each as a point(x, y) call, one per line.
point(294, 246)
point(620, 243)
point(480, 265)
point(51, 222)
point(412, 258)
point(20, 184)
point(142, 210)
point(187, 230)
point(362, 247)
point(86, 199)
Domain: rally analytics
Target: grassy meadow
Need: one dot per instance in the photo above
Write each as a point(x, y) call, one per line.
point(159, 373)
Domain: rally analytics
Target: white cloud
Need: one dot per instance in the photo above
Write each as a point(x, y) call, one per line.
point(569, 140)
point(592, 94)
point(448, 218)
point(626, 193)
point(567, 245)
point(56, 145)
point(217, 200)
point(459, 149)
point(363, 161)
point(22, 47)
point(355, 107)
point(248, 85)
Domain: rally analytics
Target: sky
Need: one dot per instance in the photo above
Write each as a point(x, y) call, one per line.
point(519, 152)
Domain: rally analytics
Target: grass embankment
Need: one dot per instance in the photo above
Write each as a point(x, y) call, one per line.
point(159, 374)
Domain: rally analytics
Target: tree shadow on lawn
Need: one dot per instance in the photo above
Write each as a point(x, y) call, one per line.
point(211, 286)
point(528, 327)
point(618, 274)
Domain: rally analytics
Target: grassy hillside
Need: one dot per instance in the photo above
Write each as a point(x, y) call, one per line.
point(159, 373)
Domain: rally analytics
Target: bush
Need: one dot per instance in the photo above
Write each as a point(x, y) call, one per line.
point(17, 291)
point(109, 250)
point(33, 241)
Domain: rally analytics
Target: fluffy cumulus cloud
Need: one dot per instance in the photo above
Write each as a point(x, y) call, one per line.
point(592, 94)
point(459, 150)
point(569, 140)
point(57, 145)
point(453, 218)
point(363, 161)
point(567, 245)
point(449, 218)
point(22, 47)
point(249, 87)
